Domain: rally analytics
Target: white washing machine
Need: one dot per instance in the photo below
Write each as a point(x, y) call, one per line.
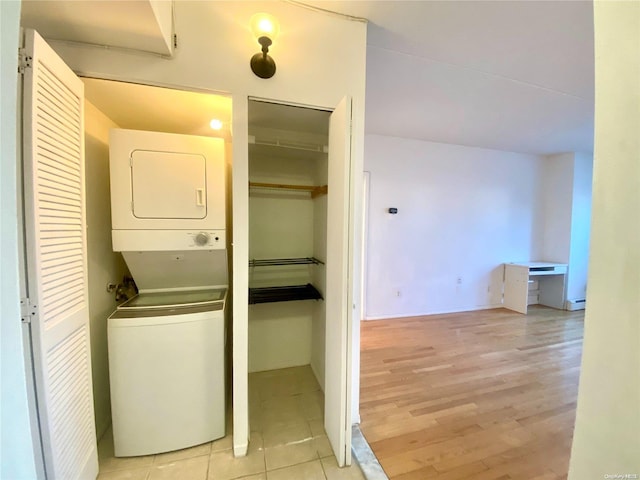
point(166, 368)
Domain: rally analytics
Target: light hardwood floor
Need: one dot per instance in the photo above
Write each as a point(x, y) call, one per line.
point(487, 395)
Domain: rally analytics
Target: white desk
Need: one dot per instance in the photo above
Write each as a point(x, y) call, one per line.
point(551, 278)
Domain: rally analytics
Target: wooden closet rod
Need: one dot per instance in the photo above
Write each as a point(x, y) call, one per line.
point(315, 190)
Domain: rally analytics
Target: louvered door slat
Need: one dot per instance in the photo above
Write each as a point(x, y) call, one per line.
point(53, 132)
point(61, 260)
point(58, 246)
point(50, 138)
point(59, 99)
point(55, 190)
point(54, 173)
point(60, 200)
point(51, 102)
point(59, 220)
point(53, 238)
point(57, 119)
point(61, 209)
point(50, 198)
point(68, 390)
point(57, 262)
point(57, 308)
point(53, 158)
point(49, 81)
point(53, 135)
point(56, 277)
point(61, 291)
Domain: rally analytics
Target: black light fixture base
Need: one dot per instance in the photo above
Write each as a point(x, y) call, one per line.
point(263, 65)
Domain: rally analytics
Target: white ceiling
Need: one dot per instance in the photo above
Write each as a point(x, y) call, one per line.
point(508, 75)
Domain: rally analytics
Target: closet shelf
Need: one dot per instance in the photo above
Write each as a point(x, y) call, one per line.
point(283, 294)
point(272, 262)
point(315, 190)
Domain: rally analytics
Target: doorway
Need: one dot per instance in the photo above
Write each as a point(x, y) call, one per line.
point(299, 160)
point(287, 280)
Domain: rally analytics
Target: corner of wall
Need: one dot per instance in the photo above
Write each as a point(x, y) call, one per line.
point(104, 266)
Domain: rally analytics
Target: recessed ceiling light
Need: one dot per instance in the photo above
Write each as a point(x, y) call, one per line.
point(215, 124)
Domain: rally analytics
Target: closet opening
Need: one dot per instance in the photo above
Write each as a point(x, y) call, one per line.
point(288, 177)
point(111, 104)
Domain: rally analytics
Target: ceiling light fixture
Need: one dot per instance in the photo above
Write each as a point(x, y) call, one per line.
point(265, 28)
point(215, 124)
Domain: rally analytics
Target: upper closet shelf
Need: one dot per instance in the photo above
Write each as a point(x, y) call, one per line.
point(315, 190)
point(270, 262)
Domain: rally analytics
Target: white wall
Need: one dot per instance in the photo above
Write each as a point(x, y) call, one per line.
point(580, 226)
point(279, 335)
point(462, 213)
point(280, 226)
point(566, 196)
point(607, 433)
point(557, 201)
point(104, 266)
point(214, 48)
point(16, 447)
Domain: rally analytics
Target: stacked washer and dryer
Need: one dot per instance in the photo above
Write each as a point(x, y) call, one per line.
point(167, 344)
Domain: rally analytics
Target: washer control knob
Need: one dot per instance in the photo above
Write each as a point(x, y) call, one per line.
point(202, 239)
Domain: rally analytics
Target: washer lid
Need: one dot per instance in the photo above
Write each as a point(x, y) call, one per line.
point(151, 300)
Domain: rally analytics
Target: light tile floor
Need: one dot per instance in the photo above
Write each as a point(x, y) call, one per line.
point(288, 441)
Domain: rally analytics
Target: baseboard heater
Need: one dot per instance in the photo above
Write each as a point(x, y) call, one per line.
point(572, 305)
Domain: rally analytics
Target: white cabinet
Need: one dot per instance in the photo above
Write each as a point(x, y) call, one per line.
point(550, 279)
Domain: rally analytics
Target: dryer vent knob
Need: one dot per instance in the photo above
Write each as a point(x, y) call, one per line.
point(202, 239)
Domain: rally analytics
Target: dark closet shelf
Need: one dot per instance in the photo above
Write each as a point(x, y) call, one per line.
point(272, 262)
point(283, 294)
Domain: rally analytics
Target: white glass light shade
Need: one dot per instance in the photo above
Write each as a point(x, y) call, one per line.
point(264, 25)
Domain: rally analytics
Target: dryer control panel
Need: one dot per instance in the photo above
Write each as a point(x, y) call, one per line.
point(167, 240)
point(202, 239)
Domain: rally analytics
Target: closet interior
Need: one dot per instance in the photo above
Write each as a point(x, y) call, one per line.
point(287, 237)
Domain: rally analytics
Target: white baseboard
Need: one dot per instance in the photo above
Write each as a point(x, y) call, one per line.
point(579, 304)
point(437, 312)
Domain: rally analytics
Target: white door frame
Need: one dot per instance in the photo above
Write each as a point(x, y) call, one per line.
point(366, 186)
point(349, 259)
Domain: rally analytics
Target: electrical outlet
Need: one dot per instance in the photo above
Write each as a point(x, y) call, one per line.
point(459, 280)
point(398, 293)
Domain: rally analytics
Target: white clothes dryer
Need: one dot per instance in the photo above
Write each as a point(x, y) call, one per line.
point(167, 371)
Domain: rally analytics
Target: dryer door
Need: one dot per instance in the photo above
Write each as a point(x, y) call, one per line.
point(168, 185)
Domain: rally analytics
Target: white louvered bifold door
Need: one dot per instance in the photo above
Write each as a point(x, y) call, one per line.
point(57, 261)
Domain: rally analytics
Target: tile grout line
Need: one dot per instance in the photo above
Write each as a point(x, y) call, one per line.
point(324, 472)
